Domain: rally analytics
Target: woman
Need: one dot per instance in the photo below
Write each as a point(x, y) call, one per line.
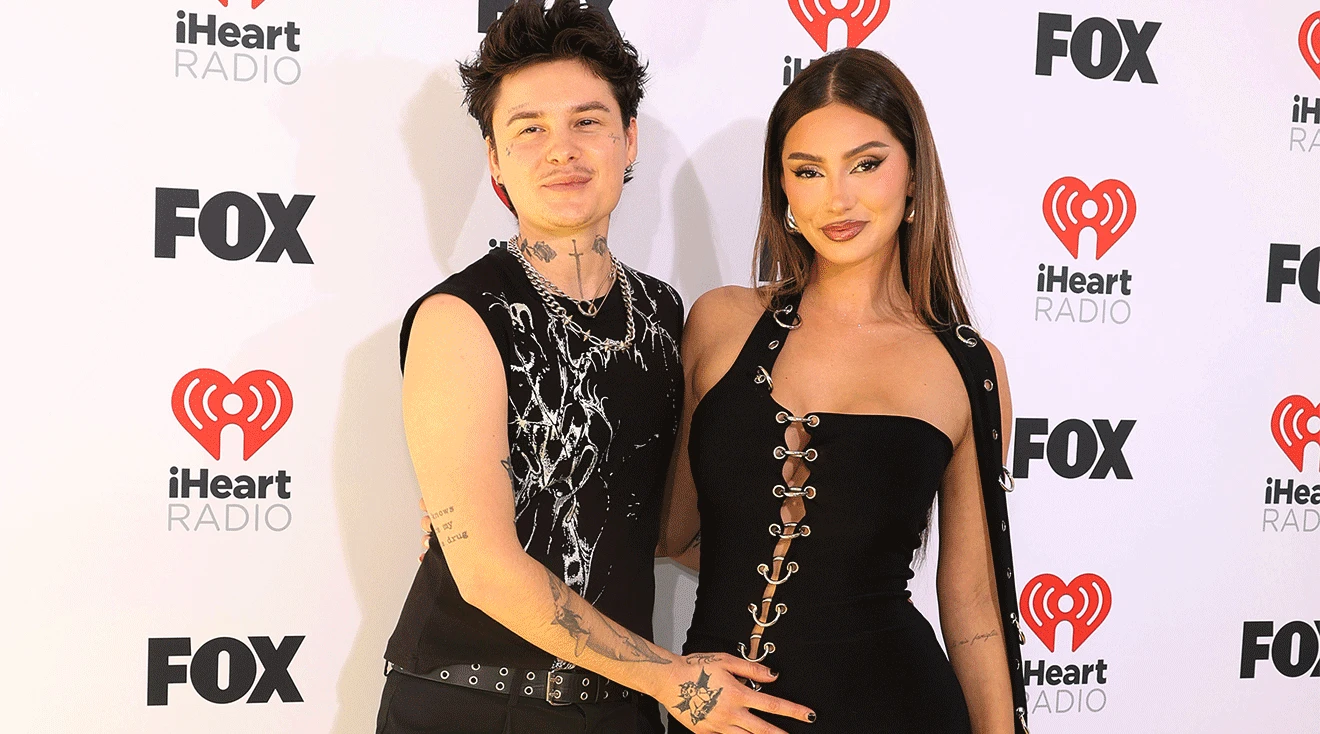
point(824, 411)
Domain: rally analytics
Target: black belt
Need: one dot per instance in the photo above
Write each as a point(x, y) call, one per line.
point(556, 687)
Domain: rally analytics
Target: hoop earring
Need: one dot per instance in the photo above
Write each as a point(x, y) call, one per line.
point(911, 215)
point(789, 222)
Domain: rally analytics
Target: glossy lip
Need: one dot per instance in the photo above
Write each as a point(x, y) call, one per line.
point(843, 231)
point(571, 182)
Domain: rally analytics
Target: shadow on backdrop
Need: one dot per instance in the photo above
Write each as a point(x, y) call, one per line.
point(728, 163)
point(375, 491)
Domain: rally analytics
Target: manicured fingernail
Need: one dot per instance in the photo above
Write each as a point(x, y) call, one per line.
point(811, 717)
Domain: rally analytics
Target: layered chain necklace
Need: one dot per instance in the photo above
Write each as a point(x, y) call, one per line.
point(587, 307)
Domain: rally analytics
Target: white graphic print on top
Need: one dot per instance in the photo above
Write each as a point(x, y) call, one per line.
point(563, 432)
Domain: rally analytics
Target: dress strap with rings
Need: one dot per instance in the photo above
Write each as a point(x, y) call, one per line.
point(977, 368)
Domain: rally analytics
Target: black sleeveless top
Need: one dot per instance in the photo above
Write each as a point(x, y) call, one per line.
point(823, 599)
point(590, 436)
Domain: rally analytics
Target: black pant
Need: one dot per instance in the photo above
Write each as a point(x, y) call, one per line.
point(411, 705)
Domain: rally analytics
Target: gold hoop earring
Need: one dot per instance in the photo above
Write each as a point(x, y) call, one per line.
point(789, 222)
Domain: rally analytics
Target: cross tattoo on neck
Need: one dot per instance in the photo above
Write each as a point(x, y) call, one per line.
point(577, 260)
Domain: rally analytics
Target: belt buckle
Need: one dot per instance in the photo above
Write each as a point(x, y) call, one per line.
point(552, 679)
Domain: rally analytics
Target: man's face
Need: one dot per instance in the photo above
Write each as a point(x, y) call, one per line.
point(560, 146)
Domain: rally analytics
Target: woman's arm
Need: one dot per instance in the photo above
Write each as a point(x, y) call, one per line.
point(680, 523)
point(717, 325)
point(965, 582)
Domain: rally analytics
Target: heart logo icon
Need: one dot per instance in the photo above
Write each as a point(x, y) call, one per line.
point(1308, 40)
point(1291, 424)
point(1042, 605)
point(263, 407)
point(861, 16)
point(1064, 207)
point(255, 3)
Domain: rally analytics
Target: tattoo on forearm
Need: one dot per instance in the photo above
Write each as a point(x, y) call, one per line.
point(696, 541)
point(444, 531)
point(977, 638)
point(696, 698)
point(599, 246)
point(508, 468)
point(441, 512)
point(591, 630)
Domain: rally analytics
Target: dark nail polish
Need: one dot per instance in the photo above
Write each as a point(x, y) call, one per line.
point(811, 717)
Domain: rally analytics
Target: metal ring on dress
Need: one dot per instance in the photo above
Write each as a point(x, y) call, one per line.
point(781, 491)
point(763, 376)
point(785, 311)
point(1005, 479)
point(778, 530)
point(970, 341)
point(766, 649)
point(764, 570)
point(780, 608)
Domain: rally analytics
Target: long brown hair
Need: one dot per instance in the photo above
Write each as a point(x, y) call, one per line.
point(928, 249)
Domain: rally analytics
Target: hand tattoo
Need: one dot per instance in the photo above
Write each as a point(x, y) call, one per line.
point(590, 629)
point(697, 699)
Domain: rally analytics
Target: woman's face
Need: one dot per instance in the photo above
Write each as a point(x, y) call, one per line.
point(847, 179)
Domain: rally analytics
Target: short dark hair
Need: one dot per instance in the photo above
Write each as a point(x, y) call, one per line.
point(529, 34)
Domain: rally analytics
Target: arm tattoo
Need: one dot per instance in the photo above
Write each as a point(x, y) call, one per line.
point(591, 630)
point(696, 541)
point(977, 638)
point(696, 698)
point(508, 468)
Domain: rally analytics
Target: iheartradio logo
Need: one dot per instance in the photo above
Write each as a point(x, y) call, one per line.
point(261, 404)
point(861, 16)
point(1045, 597)
point(1308, 41)
point(1296, 423)
point(1113, 207)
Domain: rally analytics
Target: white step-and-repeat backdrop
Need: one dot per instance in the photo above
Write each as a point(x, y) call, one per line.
point(216, 211)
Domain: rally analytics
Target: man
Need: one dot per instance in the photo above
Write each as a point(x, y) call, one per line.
point(541, 392)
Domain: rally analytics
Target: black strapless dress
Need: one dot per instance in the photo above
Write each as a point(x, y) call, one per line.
point(822, 601)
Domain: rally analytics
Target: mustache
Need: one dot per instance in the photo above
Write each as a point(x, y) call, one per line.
point(570, 174)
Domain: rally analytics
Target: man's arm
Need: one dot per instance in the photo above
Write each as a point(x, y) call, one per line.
point(455, 418)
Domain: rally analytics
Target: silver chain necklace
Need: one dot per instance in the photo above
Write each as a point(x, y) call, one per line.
point(548, 290)
point(586, 306)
